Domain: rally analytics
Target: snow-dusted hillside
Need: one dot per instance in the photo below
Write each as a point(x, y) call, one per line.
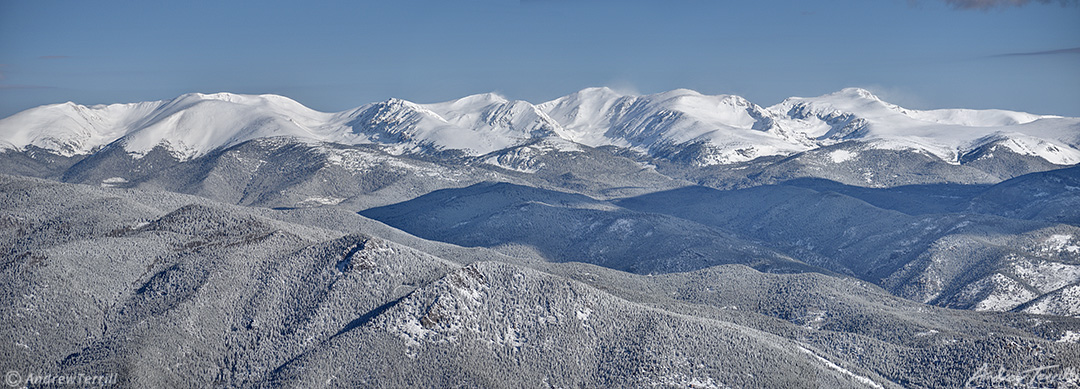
point(681, 125)
point(103, 279)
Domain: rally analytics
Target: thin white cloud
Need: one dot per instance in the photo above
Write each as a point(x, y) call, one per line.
point(1074, 50)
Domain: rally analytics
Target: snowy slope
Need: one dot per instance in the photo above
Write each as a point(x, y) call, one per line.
point(477, 124)
point(502, 119)
point(71, 129)
point(190, 125)
point(735, 128)
point(393, 121)
point(194, 124)
point(856, 114)
point(679, 124)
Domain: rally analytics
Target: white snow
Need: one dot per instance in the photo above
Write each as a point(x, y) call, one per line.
point(312, 201)
point(1060, 242)
point(1046, 275)
point(727, 128)
point(861, 379)
point(189, 125)
point(1062, 302)
point(1001, 293)
point(412, 332)
point(511, 339)
point(113, 181)
point(583, 314)
point(839, 156)
point(1050, 149)
point(682, 381)
point(945, 133)
point(489, 122)
point(360, 160)
point(737, 129)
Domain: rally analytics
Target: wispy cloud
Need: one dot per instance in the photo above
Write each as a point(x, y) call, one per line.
point(1074, 50)
point(48, 57)
point(988, 4)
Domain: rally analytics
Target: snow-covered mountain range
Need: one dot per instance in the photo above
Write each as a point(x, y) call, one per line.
point(721, 129)
point(599, 239)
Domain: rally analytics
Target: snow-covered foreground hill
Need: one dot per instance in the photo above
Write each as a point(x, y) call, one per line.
point(127, 282)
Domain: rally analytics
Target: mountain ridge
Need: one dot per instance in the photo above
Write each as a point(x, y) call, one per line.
point(720, 129)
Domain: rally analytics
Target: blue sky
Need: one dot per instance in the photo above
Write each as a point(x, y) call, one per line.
point(333, 56)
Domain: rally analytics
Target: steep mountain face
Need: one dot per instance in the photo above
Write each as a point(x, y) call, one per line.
point(130, 281)
point(474, 125)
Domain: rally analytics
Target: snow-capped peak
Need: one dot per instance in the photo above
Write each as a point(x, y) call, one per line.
point(732, 127)
point(855, 113)
point(476, 124)
point(194, 124)
point(70, 129)
point(855, 92)
point(189, 125)
point(494, 122)
point(469, 103)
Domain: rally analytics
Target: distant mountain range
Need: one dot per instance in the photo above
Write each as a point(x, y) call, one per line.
point(708, 130)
